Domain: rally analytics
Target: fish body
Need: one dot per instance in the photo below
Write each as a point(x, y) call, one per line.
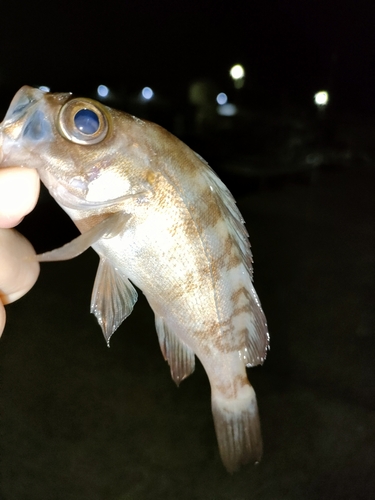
point(160, 218)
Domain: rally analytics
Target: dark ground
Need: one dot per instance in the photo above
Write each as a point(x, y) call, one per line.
point(80, 421)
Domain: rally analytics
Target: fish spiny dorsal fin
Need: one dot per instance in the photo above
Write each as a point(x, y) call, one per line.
point(227, 204)
point(113, 298)
point(180, 357)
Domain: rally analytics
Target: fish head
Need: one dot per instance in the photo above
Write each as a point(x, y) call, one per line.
point(86, 154)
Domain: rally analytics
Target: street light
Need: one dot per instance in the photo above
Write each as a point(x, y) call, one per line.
point(321, 98)
point(237, 73)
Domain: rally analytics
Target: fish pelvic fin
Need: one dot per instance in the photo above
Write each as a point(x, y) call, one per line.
point(180, 357)
point(237, 428)
point(113, 298)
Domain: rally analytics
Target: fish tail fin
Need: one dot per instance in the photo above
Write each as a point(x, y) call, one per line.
point(237, 428)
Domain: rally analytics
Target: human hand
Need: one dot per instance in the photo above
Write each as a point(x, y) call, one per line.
point(19, 190)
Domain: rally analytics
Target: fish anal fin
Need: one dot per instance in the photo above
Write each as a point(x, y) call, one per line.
point(180, 357)
point(237, 429)
point(113, 298)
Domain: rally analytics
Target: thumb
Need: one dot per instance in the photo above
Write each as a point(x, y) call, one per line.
point(18, 270)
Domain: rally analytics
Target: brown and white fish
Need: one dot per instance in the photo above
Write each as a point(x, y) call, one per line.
point(160, 218)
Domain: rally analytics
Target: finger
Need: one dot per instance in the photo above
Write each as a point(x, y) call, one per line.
point(2, 318)
point(18, 270)
point(19, 191)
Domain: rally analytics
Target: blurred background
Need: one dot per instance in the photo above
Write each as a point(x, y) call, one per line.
point(278, 97)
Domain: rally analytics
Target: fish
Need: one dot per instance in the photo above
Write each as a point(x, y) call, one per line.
point(160, 220)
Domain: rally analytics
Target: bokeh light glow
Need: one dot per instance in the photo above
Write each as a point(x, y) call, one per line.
point(227, 109)
point(222, 98)
point(321, 98)
point(103, 91)
point(147, 93)
point(237, 71)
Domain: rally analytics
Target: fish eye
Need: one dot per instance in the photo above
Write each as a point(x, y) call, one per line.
point(86, 121)
point(83, 121)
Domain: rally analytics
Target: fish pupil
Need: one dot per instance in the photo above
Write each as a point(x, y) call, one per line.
point(87, 121)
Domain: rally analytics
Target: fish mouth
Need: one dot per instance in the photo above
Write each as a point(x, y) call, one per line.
point(24, 100)
point(27, 119)
point(21, 103)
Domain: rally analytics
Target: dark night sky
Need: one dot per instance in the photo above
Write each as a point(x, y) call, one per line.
point(290, 47)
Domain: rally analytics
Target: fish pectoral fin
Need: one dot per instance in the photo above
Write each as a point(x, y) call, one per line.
point(109, 227)
point(113, 298)
point(180, 357)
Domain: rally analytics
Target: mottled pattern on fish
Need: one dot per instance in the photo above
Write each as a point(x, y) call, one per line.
point(158, 216)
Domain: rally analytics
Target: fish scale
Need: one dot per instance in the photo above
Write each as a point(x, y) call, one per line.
point(160, 218)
